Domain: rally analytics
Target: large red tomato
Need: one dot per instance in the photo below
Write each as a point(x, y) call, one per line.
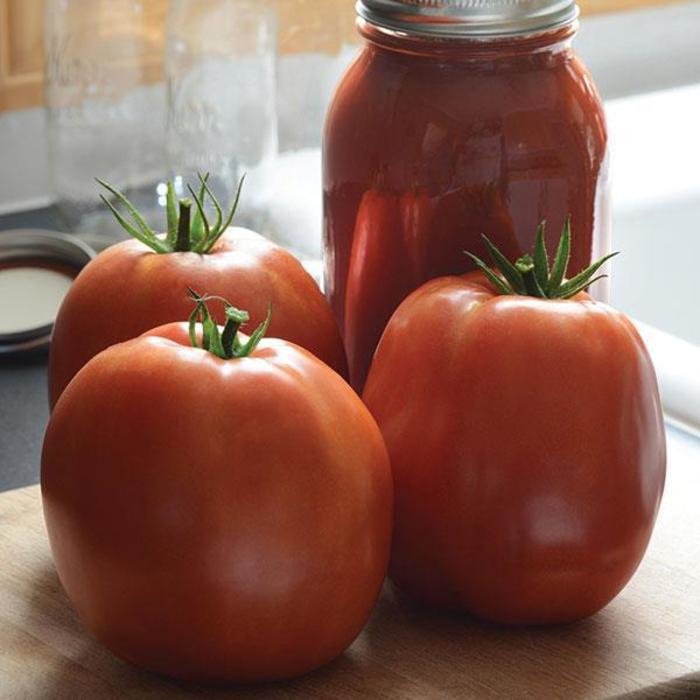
point(217, 519)
point(527, 446)
point(131, 288)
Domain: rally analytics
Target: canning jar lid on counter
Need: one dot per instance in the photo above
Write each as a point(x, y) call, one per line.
point(37, 267)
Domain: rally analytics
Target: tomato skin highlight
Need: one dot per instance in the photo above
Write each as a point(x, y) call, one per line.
point(217, 520)
point(527, 447)
point(128, 289)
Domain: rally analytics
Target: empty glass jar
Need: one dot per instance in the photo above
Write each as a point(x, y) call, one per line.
point(221, 117)
point(105, 105)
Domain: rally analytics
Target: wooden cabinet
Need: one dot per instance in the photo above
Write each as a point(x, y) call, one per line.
point(21, 53)
point(22, 46)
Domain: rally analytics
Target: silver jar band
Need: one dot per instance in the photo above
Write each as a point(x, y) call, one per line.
point(469, 18)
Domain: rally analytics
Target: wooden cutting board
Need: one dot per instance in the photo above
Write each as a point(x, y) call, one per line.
point(645, 643)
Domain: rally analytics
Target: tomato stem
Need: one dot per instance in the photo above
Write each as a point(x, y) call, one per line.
point(234, 319)
point(182, 242)
point(526, 267)
point(532, 276)
point(226, 344)
point(184, 232)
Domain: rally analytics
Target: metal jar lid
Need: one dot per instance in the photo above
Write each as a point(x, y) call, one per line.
point(469, 18)
point(36, 248)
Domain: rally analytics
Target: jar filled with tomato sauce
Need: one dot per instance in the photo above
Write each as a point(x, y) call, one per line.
point(458, 118)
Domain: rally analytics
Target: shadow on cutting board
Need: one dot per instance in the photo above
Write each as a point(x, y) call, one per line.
point(64, 662)
point(404, 652)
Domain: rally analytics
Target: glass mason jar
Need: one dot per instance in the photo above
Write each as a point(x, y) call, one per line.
point(456, 120)
point(221, 113)
point(106, 108)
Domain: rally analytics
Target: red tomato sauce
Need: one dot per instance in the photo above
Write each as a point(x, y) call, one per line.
point(431, 143)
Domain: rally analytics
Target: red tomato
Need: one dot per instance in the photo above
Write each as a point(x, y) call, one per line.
point(129, 289)
point(217, 520)
point(527, 447)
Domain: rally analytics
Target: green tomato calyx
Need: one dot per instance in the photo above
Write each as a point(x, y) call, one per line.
point(185, 232)
point(224, 344)
point(531, 275)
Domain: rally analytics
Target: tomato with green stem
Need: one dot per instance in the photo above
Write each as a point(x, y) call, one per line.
point(219, 508)
point(141, 283)
point(526, 437)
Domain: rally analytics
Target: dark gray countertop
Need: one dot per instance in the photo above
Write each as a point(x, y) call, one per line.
point(23, 398)
point(23, 414)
